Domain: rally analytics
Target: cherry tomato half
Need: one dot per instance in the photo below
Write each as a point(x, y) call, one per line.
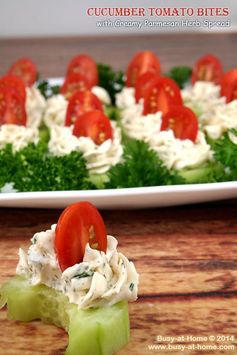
point(226, 81)
point(160, 95)
point(182, 121)
point(73, 83)
point(93, 124)
point(140, 64)
point(79, 224)
point(80, 103)
point(86, 66)
point(12, 108)
point(143, 83)
point(25, 69)
point(14, 82)
point(231, 91)
point(207, 68)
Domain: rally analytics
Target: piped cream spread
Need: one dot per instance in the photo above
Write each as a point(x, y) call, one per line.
point(180, 154)
point(18, 136)
point(99, 158)
point(56, 107)
point(215, 115)
point(35, 106)
point(101, 279)
point(202, 97)
point(55, 112)
point(135, 124)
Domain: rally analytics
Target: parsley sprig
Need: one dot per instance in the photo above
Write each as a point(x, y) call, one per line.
point(141, 167)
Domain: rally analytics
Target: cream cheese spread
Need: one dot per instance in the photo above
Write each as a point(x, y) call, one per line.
point(215, 115)
point(101, 279)
point(203, 97)
point(179, 154)
point(135, 124)
point(99, 158)
point(18, 136)
point(35, 106)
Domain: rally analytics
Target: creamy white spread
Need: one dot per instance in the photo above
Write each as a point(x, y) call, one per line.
point(125, 98)
point(215, 115)
point(102, 279)
point(56, 107)
point(18, 136)
point(35, 106)
point(102, 95)
point(179, 154)
point(99, 158)
point(135, 124)
point(202, 97)
point(223, 118)
point(55, 112)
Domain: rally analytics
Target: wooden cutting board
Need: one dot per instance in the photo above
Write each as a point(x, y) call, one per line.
point(186, 258)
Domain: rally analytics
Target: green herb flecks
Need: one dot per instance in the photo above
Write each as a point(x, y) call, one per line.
point(84, 274)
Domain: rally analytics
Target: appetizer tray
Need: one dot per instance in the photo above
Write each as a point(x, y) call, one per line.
point(136, 198)
point(125, 198)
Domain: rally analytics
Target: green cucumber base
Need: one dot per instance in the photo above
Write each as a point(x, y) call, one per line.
point(97, 331)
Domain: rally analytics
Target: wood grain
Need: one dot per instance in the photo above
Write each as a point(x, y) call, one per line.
point(186, 255)
point(52, 54)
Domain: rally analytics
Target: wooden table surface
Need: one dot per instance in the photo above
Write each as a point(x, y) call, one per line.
point(186, 256)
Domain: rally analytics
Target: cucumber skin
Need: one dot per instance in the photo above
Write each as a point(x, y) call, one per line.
point(101, 331)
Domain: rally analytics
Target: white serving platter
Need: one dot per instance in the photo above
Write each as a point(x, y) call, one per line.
point(130, 198)
point(136, 198)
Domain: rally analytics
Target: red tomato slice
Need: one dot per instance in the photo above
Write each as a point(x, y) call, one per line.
point(160, 95)
point(93, 124)
point(12, 108)
point(182, 121)
point(25, 69)
point(73, 83)
point(231, 91)
point(14, 82)
point(79, 224)
point(143, 83)
point(80, 103)
point(226, 80)
point(86, 66)
point(207, 68)
point(140, 64)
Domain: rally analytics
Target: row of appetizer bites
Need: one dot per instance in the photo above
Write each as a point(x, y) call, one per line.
point(93, 134)
point(153, 108)
point(175, 122)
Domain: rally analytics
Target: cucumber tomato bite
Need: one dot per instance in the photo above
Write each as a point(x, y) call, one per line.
point(74, 277)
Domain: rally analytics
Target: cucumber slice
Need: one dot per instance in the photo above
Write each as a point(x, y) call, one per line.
point(101, 331)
